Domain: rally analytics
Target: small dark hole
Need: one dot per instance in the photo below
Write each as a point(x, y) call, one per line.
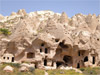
point(40, 50)
point(57, 40)
point(97, 39)
point(7, 57)
point(46, 50)
point(78, 53)
point(3, 57)
point(42, 44)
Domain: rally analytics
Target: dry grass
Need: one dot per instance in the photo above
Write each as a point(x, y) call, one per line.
point(63, 72)
point(86, 71)
point(17, 72)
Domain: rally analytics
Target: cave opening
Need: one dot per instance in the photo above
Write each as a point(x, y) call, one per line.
point(78, 53)
point(30, 55)
point(93, 58)
point(86, 59)
point(59, 63)
point(52, 63)
point(40, 50)
point(56, 40)
point(42, 44)
point(8, 58)
point(45, 62)
point(46, 50)
point(67, 59)
point(36, 65)
point(12, 59)
point(78, 65)
point(62, 45)
point(3, 57)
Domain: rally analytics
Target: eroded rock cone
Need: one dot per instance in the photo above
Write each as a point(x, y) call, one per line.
point(64, 18)
point(50, 40)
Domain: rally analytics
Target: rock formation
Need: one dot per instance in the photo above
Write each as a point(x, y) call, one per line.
point(45, 38)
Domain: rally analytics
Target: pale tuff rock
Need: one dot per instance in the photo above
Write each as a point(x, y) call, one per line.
point(23, 69)
point(92, 22)
point(8, 69)
point(13, 14)
point(22, 12)
point(64, 18)
point(50, 40)
point(1, 17)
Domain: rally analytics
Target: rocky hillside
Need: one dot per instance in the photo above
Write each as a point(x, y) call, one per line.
point(82, 30)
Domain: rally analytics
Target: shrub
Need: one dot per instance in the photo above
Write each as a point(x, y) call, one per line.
point(82, 69)
point(5, 31)
point(17, 65)
point(31, 69)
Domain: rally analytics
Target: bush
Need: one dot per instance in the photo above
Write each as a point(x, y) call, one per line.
point(5, 31)
point(82, 69)
point(31, 69)
point(89, 71)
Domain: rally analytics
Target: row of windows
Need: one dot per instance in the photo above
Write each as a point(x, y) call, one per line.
point(12, 58)
point(46, 50)
point(5, 58)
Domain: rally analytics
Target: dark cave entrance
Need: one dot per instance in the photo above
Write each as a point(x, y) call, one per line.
point(56, 40)
point(45, 62)
point(78, 53)
point(78, 65)
point(86, 59)
point(67, 59)
point(12, 59)
point(36, 65)
point(62, 45)
point(40, 50)
point(46, 50)
point(93, 60)
point(59, 63)
point(30, 55)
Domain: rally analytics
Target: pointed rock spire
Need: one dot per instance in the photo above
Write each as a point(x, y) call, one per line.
point(1, 17)
point(92, 22)
point(13, 13)
point(22, 12)
point(64, 18)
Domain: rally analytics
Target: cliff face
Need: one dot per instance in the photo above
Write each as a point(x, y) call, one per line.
point(52, 37)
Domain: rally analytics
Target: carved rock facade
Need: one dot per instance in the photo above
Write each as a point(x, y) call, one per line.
point(45, 38)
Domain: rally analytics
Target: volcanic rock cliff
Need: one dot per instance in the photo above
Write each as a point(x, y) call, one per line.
point(47, 38)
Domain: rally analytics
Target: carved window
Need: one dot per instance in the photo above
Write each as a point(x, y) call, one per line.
point(30, 55)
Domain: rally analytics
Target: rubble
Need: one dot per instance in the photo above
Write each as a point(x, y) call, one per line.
point(8, 69)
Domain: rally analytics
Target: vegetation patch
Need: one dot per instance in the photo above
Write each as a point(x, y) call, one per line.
point(17, 65)
point(5, 31)
point(90, 71)
point(16, 71)
point(33, 71)
point(63, 72)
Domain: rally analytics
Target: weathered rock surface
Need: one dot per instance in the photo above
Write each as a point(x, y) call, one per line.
point(23, 69)
point(45, 38)
point(8, 69)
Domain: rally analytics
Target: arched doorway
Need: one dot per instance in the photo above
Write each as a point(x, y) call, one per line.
point(93, 60)
point(12, 59)
point(78, 65)
point(86, 59)
point(45, 62)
